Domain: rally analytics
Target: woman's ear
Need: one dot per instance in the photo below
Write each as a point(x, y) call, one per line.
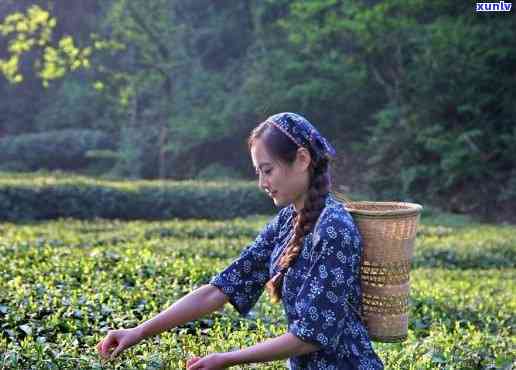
point(303, 159)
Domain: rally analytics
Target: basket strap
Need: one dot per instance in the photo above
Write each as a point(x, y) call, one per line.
point(344, 199)
point(341, 197)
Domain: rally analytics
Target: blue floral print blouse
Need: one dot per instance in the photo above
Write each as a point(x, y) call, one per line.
point(318, 288)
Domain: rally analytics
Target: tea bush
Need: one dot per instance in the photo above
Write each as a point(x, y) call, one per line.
point(45, 149)
point(64, 283)
point(52, 196)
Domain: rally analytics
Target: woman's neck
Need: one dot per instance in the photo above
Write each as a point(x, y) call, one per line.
point(299, 203)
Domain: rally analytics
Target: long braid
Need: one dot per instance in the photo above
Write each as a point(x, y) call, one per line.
point(314, 204)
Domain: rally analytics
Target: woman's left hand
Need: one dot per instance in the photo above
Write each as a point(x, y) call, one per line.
point(214, 361)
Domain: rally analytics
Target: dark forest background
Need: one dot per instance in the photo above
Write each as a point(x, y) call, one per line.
point(418, 97)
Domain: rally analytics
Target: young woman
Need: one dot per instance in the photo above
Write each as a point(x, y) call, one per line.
point(308, 257)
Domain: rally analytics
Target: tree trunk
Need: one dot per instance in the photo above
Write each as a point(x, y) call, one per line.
point(163, 133)
point(162, 149)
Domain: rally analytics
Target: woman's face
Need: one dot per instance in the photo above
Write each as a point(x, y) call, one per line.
point(284, 183)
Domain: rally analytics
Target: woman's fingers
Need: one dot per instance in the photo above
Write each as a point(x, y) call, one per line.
point(99, 346)
point(117, 350)
point(105, 345)
point(192, 361)
point(117, 341)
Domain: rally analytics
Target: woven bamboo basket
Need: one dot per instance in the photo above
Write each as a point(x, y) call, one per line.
point(388, 232)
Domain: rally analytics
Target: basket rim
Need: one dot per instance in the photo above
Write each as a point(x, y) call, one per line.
point(411, 208)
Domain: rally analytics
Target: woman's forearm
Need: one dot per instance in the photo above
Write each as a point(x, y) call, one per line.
point(282, 347)
point(192, 306)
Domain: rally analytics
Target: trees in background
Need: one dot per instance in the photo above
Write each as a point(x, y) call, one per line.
point(444, 128)
point(417, 96)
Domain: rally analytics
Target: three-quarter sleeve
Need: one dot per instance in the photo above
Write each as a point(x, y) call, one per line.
point(243, 281)
point(332, 280)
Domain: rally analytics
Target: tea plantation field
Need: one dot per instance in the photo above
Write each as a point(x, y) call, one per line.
point(64, 283)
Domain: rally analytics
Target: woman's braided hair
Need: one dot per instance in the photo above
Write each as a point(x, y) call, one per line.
point(283, 148)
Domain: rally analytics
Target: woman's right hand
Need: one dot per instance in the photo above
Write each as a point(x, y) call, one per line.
point(116, 341)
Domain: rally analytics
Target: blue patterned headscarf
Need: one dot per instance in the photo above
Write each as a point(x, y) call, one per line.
point(303, 133)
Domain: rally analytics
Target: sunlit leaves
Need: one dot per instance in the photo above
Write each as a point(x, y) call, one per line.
point(9, 68)
point(98, 85)
point(66, 282)
point(33, 30)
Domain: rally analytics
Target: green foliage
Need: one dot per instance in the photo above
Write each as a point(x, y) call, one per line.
point(40, 197)
point(455, 147)
point(466, 246)
point(34, 30)
point(416, 96)
point(135, 149)
point(469, 132)
point(63, 149)
point(65, 283)
point(445, 126)
point(66, 109)
point(217, 171)
point(154, 80)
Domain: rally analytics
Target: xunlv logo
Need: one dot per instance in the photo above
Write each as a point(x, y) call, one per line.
point(494, 7)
